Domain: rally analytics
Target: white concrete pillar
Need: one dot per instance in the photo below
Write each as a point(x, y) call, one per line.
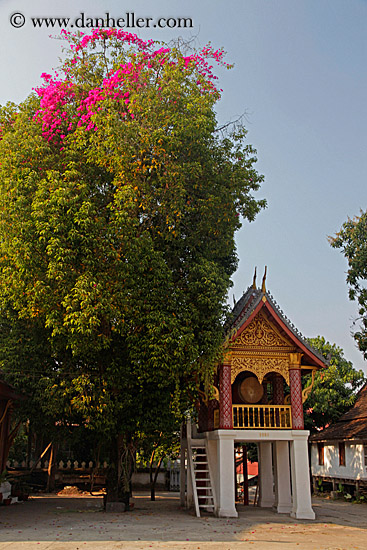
point(266, 498)
point(282, 474)
point(301, 488)
point(225, 480)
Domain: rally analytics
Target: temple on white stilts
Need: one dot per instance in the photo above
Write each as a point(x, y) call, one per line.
point(257, 398)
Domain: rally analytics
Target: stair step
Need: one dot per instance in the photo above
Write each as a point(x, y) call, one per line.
point(199, 465)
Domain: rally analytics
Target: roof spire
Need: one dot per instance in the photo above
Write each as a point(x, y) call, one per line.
point(263, 288)
point(254, 280)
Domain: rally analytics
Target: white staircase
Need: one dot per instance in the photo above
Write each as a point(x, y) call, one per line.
point(199, 473)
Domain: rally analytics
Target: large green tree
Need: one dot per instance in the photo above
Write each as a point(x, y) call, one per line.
point(334, 389)
point(119, 203)
point(352, 240)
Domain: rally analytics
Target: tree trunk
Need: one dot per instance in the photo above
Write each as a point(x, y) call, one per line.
point(153, 480)
point(120, 471)
point(29, 444)
point(39, 445)
point(51, 471)
point(112, 474)
point(40, 457)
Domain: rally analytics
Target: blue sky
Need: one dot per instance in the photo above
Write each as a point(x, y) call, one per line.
point(300, 77)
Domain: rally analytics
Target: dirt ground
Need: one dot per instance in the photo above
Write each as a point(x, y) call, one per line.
point(68, 522)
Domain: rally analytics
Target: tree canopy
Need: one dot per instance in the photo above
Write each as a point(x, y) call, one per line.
point(352, 240)
point(335, 388)
point(119, 203)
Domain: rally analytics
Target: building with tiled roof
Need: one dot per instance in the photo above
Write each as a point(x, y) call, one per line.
point(339, 452)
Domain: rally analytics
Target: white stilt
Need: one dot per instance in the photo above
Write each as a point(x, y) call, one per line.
point(225, 491)
point(283, 499)
point(301, 487)
point(266, 499)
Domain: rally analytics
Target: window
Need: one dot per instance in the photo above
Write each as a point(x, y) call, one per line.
point(342, 453)
point(320, 450)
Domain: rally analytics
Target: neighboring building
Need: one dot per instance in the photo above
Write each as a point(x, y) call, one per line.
point(265, 360)
point(339, 453)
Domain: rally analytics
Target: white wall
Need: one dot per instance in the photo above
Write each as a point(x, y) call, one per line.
point(354, 460)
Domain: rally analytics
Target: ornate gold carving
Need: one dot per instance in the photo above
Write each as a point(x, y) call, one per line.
point(229, 339)
point(306, 392)
point(295, 360)
point(215, 393)
point(260, 333)
point(260, 366)
point(206, 397)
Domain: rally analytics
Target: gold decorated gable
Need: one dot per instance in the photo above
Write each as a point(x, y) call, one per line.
point(261, 349)
point(262, 334)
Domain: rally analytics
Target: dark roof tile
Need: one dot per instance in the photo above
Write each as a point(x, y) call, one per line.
point(352, 425)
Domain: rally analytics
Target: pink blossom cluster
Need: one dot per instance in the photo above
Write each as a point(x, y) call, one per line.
point(55, 95)
point(52, 114)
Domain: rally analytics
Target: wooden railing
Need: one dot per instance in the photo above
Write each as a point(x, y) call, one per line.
point(250, 417)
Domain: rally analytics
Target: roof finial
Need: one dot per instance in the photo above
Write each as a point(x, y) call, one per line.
point(263, 288)
point(254, 280)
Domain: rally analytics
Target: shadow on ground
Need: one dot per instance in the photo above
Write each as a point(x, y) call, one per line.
point(80, 519)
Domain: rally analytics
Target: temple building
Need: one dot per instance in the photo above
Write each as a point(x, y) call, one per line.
point(258, 398)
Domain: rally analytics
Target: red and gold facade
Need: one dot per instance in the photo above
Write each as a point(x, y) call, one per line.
point(260, 378)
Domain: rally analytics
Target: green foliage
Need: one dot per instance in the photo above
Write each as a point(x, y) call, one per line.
point(335, 387)
point(117, 222)
point(352, 240)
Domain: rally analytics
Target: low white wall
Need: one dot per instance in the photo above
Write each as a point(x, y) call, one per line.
point(142, 478)
point(354, 462)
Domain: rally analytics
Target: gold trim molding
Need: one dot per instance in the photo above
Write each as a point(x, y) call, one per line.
point(260, 366)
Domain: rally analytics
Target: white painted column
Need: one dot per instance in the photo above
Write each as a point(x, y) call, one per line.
point(225, 492)
point(283, 498)
point(266, 499)
point(301, 488)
